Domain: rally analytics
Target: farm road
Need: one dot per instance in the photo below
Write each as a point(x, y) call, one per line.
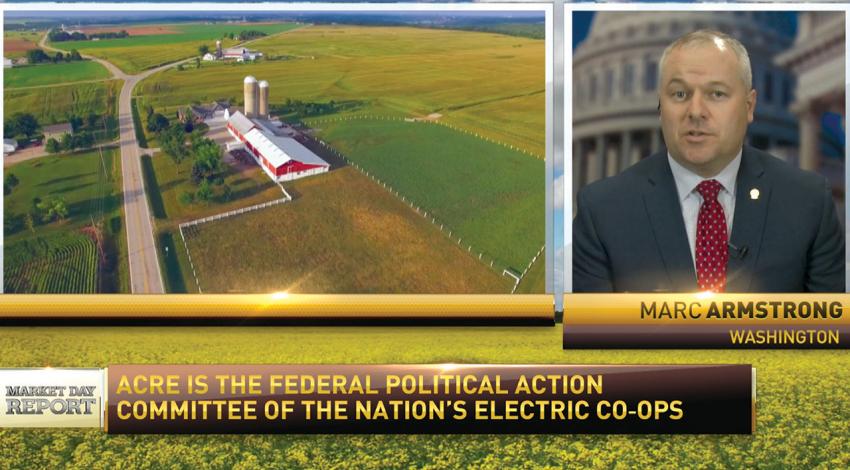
point(145, 276)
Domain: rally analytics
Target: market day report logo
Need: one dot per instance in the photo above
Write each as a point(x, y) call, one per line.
point(51, 397)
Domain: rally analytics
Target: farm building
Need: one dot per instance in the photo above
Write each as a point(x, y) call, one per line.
point(7, 63)
point(56, 131)
point(282, 158)
point(200, 113)
point(240, 54)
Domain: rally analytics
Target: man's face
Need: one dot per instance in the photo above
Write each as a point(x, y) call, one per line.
point(705, 107)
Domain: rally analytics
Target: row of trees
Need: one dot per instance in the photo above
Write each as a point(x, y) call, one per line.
point(56, 35)
point(68, 142)
point(38, 56)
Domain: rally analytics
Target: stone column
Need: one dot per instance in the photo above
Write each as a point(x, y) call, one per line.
point(612, 161)
point(626, 150)
point(809, 139)
point(596, 161)
point(655, 140)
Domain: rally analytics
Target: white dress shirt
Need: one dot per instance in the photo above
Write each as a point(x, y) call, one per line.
point(690, 199)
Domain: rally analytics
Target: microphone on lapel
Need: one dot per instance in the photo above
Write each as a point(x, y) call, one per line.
point(736, 252)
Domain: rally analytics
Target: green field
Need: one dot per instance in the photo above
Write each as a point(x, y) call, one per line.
point(802, 416)
point(53, 104)
point(52, 74)
point(136, 53)
point(490, 84)
point(62, 264)
point(90, 184)
point(487, 194)
point(341, 234)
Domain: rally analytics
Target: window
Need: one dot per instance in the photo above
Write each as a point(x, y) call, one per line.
point(592, 88)
point(609, 84)
point(628, 79)
point(650, 77)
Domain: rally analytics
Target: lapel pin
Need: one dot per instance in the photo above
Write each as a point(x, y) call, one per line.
point(754, 194)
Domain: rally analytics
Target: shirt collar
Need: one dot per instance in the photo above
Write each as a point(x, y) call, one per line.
point(687, 181)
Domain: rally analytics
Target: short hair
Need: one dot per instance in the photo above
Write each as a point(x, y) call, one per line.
point(716, 38)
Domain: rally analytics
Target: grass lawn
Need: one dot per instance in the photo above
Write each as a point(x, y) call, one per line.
point(534, 281)
point(90, 184)
point(53, 104)
point(52, 74)
point(136, 53)
point(490, 84)
point(487, 194)
point(341, 234)
point(249, 187)
point(802, 417)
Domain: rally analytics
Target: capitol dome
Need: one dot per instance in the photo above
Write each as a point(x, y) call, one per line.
point(615, 73)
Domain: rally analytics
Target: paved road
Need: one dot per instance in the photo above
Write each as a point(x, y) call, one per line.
point(145, 276)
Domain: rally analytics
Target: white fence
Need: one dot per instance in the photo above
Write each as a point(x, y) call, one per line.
point(286, 198)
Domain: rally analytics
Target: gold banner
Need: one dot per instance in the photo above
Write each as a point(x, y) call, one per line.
point(277, 305)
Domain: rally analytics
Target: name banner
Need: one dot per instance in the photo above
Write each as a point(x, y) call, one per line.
point(418, 399)
point(745, 321)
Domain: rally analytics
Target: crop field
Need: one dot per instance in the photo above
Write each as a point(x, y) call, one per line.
point(53, 104)
point(489, 84)
point(90, 184)
point(136, 53)
point(802, 416)
point(341, 234)
point(17, 43)
point(489, 195)
point(65, 264)
point(53, 74)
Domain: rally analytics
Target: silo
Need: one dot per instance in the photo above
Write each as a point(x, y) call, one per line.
point(263, 101)
point(250, 96)
point(218, 52)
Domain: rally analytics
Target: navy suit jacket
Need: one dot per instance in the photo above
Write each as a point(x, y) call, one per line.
point(629, 234)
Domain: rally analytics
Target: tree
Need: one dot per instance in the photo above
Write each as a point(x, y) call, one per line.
point(207, 159)
point(91, 120)
point(21, 124)
point(179, 67)
point(197, 63)
point(29, 222)
point(157, 122)
point(9, 183)
point(52, 146)
point(226, 192)
point(35, 56)
point(53, 209)
point(205, 192)
point(75, 55)
point(67, 142)
point(75, 121)
point(187, 197)
point(59, 57)
point(173, 143)
point(204, 49)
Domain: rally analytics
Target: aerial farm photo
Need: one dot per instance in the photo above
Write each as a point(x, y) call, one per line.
point(305, 152)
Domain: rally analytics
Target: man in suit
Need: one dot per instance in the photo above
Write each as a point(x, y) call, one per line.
point(708, 213)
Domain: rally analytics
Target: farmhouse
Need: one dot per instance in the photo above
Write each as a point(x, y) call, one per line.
point(239, 54)
point(281, 156)
point(56, 131)
point(200, 113)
